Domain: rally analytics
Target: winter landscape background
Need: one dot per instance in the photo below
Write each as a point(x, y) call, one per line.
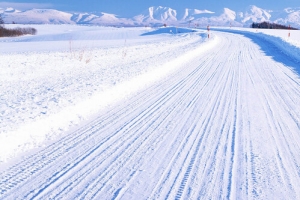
point(99, 106)
point(156, 16)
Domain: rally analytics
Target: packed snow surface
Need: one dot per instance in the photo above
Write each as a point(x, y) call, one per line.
point(139, 113)
point(44, 93)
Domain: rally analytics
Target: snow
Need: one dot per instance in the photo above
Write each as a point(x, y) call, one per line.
point(229, 14)
point(255, 14)
point(161, 14)
point(91, 112)
point(156, 16)
point(287, 41)
point(196, 11)
point(191, 14)
point(39, 15)
point(11, 10)
point(41, 89)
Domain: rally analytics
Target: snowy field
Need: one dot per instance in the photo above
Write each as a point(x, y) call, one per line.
point(47, 88)
point(91, 112)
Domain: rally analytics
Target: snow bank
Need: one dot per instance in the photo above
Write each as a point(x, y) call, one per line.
point(169, 30)
point(289, 46)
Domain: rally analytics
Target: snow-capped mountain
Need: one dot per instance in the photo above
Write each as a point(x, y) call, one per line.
point(254, 14)
point(156, 16)
point(38, 16)
point(192, 14)
point(9, 10)
point(82, 18)
point(226, 18)
point(101, 18)
point(162, 13)
point(159, 15)
point(289, 17)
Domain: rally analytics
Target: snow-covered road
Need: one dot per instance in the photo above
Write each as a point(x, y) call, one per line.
point(224, 125)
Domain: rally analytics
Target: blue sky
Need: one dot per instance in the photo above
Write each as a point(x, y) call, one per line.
point(129, 8)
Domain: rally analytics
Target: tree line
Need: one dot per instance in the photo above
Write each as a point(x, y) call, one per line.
point(7, 32)
point(268, 25)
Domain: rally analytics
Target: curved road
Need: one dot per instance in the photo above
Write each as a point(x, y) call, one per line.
point(224, 126)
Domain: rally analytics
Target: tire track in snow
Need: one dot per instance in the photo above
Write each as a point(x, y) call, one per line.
point(50, 160)
point(86, 141)
point(184, 96)
point(217, 128)
point(265, 94)
point(187, 139)
point(275, 127)
point(181, 187)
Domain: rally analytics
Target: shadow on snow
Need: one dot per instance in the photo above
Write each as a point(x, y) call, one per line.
point(169, 30)
point(274, 47)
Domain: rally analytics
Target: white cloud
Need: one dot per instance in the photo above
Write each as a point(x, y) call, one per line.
point(24, 6)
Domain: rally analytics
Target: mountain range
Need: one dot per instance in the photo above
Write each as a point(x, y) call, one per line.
point(157, 16)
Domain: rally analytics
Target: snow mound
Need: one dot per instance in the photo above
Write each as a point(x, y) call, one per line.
point(169, 30)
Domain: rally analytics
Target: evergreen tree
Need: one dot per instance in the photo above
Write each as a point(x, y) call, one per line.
point(1, 21)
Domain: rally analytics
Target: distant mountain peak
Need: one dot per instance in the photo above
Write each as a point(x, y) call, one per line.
point(196, 11)
point(162, 13)
point(230, 14)
point(9, 10)
point(256, 14)
point(156, 16)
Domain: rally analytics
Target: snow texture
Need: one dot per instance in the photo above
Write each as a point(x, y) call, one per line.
point(139, 113)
